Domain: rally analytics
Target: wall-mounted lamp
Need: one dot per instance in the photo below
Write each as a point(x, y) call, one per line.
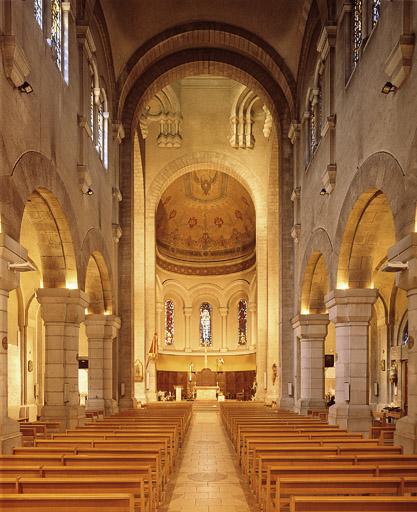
point(323, 192)
point(26, 266)
point(388, 87)
point(394, 266)
point(25, 87)
point(89, 191)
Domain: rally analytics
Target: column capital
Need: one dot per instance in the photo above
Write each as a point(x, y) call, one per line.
point(188, 310)
point(405, 251)
point(223, 311)
point(10, 252)
point(252, 307)
point(159, 307)
point(310, 326)
point(351, 305)
point(62, 304)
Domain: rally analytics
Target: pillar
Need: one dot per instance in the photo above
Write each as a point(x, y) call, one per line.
point(351, 310)
point(223, 315)
point(101, 332)
point(405, 251)
point(160, 324)
point(94, 327)
point(10, 252)
point(187, 314)
point(111, 332)
point(62, 311)
point(311, 331)
point(252, 323)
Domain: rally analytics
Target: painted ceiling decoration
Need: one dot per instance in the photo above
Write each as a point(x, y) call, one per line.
point(205, 219)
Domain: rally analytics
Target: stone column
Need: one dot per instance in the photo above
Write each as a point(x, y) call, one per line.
point(101, 331)
point(311, 330)
point(111, 332)
point(223, 314)
point(252, 319)
point(160, 324)
point(62, 311)
point(351, 310)
point(10, 252)
point(187, 313)
point(405, 251)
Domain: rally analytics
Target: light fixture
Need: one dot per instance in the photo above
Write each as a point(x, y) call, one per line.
point(25, 266)
point(89, 191)
point(25, 87)
point(323, 192)
point(394, 266)
point(388, 87)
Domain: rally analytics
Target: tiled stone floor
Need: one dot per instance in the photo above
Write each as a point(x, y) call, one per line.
point(207, 478)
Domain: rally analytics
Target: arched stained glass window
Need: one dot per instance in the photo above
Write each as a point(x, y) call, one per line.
point(169, 322)
point(205, 324)
point(376, 12)
point(56, 31)
point(357, 30)
point(405, 337)
point(38, 11)
point(242, 318)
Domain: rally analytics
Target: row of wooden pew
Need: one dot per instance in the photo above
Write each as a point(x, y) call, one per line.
point(118, 463)
point(302, 464)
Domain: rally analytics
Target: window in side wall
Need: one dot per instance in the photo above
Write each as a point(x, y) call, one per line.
point(205, 324)
point(55, 39)
point(169, 322)
point(242, 319)
point(38, 12)
point(357, 31)
point(376, 12)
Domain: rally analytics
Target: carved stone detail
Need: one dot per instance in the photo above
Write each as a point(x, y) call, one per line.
point(15, 63)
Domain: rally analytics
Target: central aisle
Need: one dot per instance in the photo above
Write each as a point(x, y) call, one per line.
point(207, 479)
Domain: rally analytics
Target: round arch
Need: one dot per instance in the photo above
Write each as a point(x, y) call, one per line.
point(379, 172)
point(318, 245)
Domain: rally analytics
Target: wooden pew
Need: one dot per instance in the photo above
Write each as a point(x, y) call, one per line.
point(342, 485)
point(67, 502)
point(88, 485)
point(353, 504)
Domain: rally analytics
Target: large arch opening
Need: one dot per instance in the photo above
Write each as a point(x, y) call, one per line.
point(239, 137)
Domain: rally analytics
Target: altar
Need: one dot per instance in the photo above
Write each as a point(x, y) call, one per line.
point(206, 392)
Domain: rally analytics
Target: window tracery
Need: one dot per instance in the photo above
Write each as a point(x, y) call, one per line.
point(169, 322)
point(205, 324)
point(242, 318)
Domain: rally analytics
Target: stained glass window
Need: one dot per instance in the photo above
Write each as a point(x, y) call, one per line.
point(357, 30)
point(405, 338)
point(376, 12)
point(100, 131)
point(56, 31)
point(313, 129)
point(205, 324)
point(242, 318)
point(38, 11)
point(169, 322)
point(92, 110)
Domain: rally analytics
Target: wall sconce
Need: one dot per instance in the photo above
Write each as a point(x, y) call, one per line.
point(323, 192)
point(388, 87)
point(25, 87)
point(89, 191)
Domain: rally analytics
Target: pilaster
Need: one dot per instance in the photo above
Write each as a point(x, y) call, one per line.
point(405, 251)
point(11, 252)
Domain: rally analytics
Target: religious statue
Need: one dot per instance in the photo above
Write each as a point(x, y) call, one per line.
point(274, 372)
point(138, 371)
